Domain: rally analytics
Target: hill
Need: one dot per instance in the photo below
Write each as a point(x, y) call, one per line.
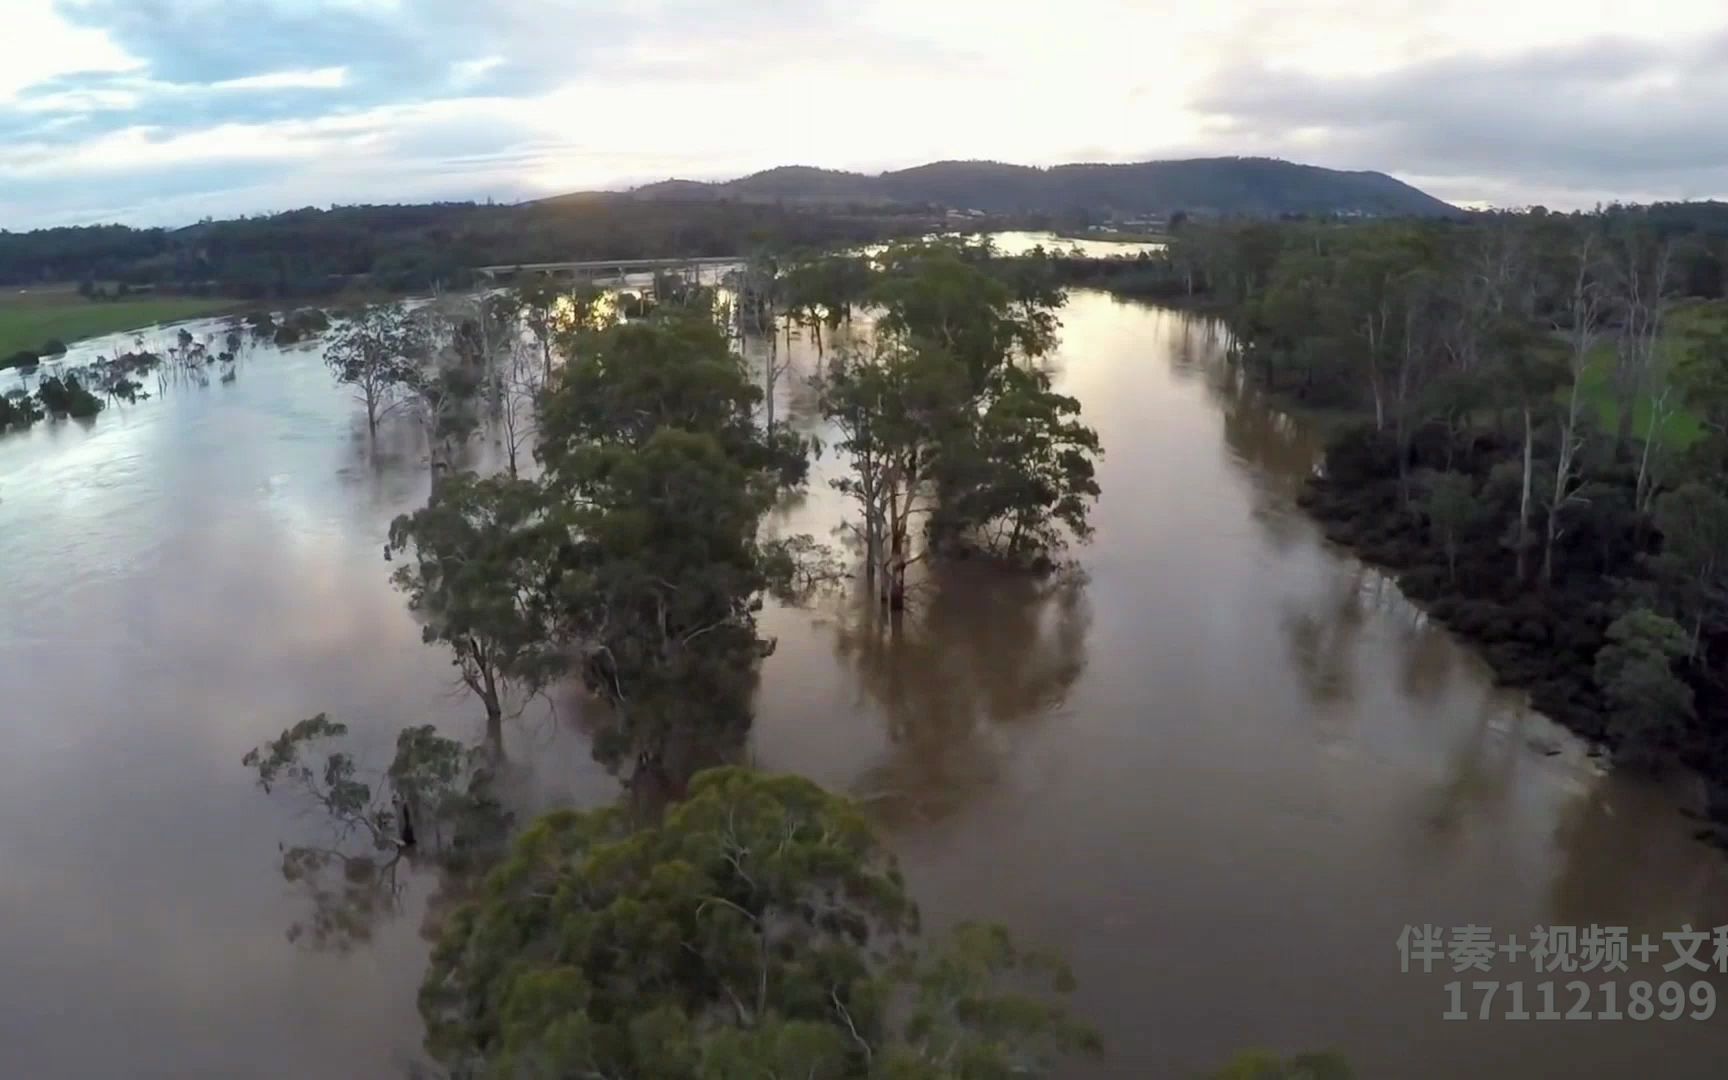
point(1254, 187)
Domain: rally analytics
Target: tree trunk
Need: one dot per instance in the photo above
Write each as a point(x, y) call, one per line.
point(772, 377)
point(891, 584)
point(1562, 473)
point(494, 712)
point(1524, 500)
point(872, 550)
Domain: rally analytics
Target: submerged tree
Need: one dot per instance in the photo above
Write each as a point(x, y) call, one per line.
point(18, 409)
point(432, 799)
point(483, 559)
point(765, 932)
point(379, 355)
point(1019, 479)
point(948, 419)
point(67, 397)
point(648, 435)
point(658, 587)
point(895, 409)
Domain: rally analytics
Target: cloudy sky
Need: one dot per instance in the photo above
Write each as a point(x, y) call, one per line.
point(165, 111)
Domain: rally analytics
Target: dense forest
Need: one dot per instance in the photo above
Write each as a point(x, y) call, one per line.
point(1532, 433)
point(1238, 187)
point(312, 252)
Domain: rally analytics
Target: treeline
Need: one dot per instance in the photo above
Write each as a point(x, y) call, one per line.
point(312, 252)
point(1540, 443)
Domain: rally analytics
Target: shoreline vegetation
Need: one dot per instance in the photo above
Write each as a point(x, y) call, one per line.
point(1529, 421)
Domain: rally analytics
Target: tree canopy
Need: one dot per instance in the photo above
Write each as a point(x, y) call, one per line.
point(758, 930)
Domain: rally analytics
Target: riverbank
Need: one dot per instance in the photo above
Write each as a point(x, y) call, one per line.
point(1540, 640)
point(36, 319)
point(1539, 634)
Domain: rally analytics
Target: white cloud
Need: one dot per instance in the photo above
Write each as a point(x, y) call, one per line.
point(467, 72)
point(327, 78)
point(36, 43)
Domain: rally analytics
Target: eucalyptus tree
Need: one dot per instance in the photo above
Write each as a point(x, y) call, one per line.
point(481, 555)
point(947, 419)
point(768, 933)
point(1582, 323)
point(379, 353)
point(897, 410)
point(1018, 479)
point(539, 303)
point(649, 438)
point(433, 801)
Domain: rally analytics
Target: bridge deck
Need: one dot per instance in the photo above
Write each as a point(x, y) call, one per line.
point(606, 264)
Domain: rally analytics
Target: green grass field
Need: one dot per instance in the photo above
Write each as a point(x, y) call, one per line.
point(1681, 428)
point(30, 317)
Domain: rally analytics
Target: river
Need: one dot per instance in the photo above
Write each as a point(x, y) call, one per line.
point(1220, 771)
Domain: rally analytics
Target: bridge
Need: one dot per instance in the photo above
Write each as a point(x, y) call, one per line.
point(603, 267)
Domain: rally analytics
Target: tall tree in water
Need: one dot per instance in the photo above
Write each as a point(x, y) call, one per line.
point(659, 585)
point(649, 437)
point(483, 553)
point(949, 419)
point(1018, 478)
point(896, 408)
point(767, 933)
point(539, 302)
point(432, 801)
point(378, 353)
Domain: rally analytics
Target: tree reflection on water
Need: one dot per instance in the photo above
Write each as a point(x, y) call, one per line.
point(982, 652)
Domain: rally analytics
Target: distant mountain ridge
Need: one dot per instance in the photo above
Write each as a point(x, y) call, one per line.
point(1254, 187)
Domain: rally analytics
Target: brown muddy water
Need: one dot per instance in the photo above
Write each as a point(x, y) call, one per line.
point(1220, 771)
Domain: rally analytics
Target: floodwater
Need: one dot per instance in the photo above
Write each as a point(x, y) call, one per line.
point(1219, 771)
point(1021, 243)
